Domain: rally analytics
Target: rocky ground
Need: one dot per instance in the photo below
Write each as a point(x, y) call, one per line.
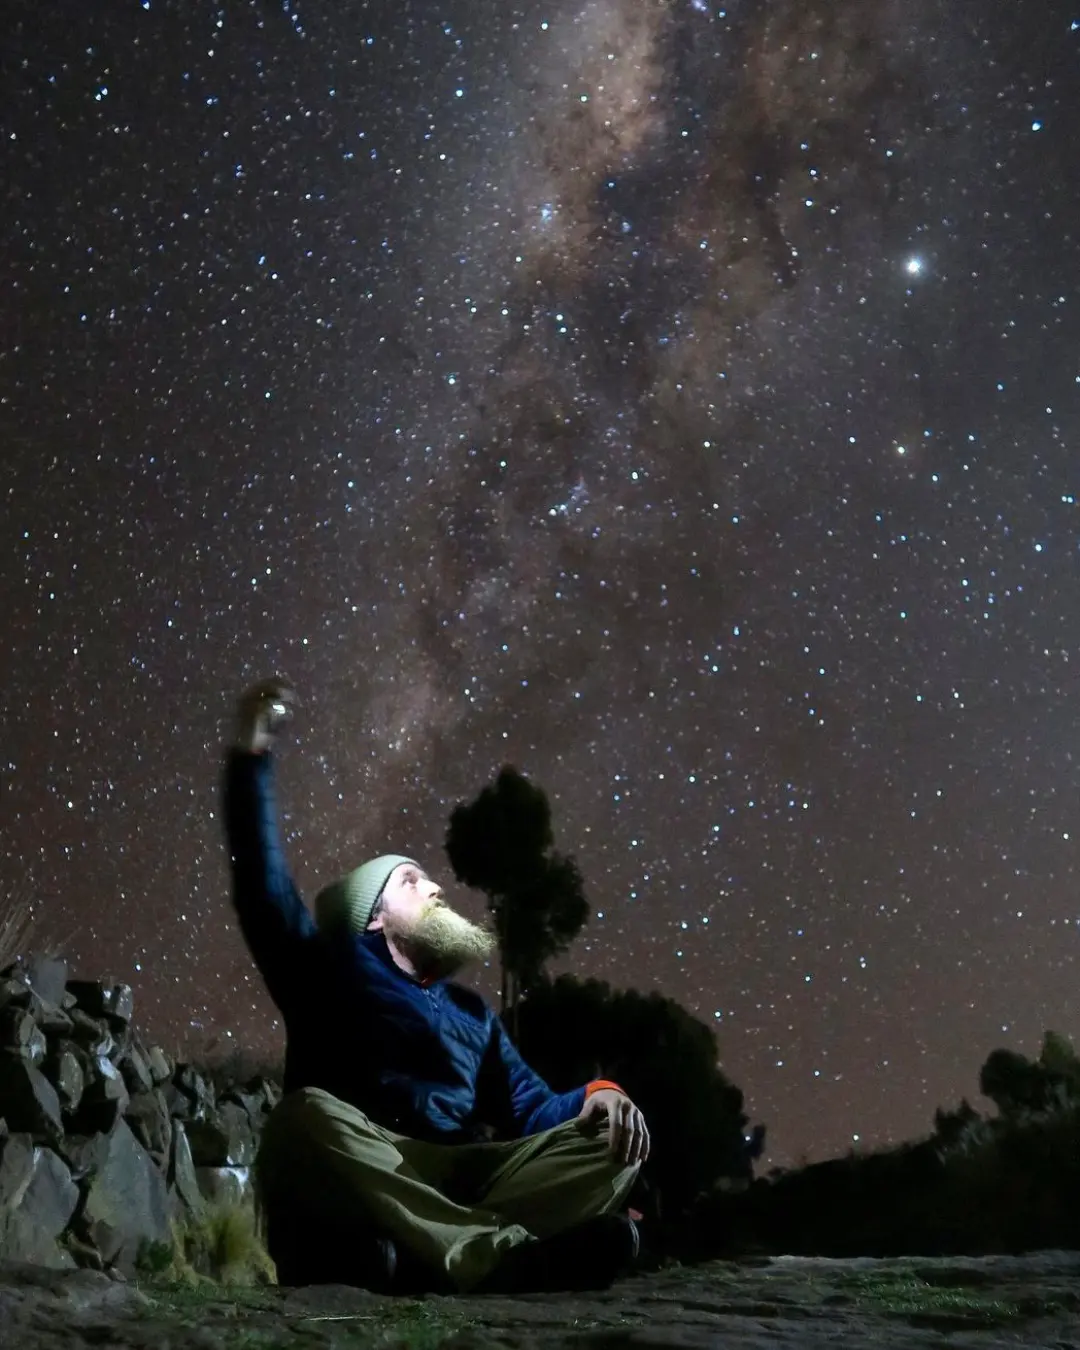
point(977, 1303)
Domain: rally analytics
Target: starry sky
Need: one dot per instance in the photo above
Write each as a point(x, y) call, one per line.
point(676, 401)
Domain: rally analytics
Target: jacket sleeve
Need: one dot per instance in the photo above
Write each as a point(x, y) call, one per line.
point(274, 920)
point(528, 1102)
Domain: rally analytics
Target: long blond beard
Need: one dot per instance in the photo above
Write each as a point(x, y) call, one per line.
point(441, 941)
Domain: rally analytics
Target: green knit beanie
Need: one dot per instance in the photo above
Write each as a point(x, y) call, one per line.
point(347, 903)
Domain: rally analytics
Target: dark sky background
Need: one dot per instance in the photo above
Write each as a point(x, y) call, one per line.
point(676, 401)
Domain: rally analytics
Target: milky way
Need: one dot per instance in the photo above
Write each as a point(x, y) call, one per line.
point(675, 401)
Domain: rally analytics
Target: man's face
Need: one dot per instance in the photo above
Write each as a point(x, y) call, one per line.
point(414, 915)
point(408, 895)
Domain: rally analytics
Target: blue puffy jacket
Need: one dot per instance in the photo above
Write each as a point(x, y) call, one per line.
point(430, 1061)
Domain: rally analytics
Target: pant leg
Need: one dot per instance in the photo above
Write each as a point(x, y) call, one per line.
point(552, 1180)
point(329, 1157)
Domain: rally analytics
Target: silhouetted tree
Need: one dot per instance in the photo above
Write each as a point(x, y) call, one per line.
point(949, 1126)
point(1012, 1082)
point(1016, 1084)
point(502, 844)
point(1059, 1059)
point(665, 1058)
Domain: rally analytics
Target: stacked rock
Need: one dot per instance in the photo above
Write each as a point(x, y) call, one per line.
point(103, 1140)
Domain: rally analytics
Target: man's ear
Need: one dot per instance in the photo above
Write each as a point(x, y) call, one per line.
point(375, 925)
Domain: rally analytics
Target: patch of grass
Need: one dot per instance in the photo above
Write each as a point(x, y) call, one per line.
point(186, 1299)
point(221, 1245)
point(410, 1324)
point(418, 1325)
point(901, 1294)
point(254, 1319)
point(263, 1339)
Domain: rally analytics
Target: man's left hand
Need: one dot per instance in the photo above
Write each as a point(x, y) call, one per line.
point(627, 1133)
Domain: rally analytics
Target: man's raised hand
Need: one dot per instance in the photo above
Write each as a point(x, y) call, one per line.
point(261, 713)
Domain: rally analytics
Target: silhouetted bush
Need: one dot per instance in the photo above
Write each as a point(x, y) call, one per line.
point(977, 1185)
point(571, 1031)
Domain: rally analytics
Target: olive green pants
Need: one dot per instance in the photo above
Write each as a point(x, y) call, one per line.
point(456, 1207)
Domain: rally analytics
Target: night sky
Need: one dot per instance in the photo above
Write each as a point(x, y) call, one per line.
point(676, 402)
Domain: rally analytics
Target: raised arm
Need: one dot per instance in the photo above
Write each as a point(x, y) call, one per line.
point(273, 918)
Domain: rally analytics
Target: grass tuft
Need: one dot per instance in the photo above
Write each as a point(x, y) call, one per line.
point(908, 1295)
point(221, 1245)
point(260, 1319)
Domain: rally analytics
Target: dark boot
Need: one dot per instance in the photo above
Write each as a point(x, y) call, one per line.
point(321, 1253)
point(591, 1255)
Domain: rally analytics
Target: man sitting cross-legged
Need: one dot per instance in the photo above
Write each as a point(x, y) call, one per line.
point(376, 1167)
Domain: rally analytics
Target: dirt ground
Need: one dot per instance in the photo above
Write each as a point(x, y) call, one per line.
point(912, 1304)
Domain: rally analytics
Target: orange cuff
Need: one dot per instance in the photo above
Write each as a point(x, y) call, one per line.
point(598, 1084)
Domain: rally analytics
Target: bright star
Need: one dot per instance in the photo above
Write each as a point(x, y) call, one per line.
point(914, 266)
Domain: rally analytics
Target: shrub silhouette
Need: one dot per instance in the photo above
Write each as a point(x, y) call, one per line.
point(1016, 1085)
point(977, 1185)
point(666, 1059)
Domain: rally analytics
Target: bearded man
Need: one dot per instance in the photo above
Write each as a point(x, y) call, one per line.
point(378, 1167)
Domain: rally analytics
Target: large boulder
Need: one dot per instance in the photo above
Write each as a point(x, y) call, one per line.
point(253, 1101)
point(224, 1138)
point(14, 989)
point(159, 1064)
point(149, 1119)
point(28, 1101)
point(64, 1070)
point(85, 1154)
point(20, 1034)
point(37, 1201)
point(104, 998)
point(126, 1204)
point(16, 1169)
point(50, 1017)
point(47, 977)
point(270, 1090)
point(92, 1033)
point(188, 1094)
point(17, 992)
point(183, 1182)
point(104, 1100)
point(135, 1070)
point(226, 1186)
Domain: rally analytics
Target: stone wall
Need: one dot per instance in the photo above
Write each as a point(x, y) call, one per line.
point(103, 1140)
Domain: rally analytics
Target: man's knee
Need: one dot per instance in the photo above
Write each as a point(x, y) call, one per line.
point(614, 1169)
point(319, 1114)
point(314, 1100)
point(604, 1154)
point(592, 1149)
point(303, 1132)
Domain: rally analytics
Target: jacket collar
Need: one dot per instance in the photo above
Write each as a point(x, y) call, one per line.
point(376, 944)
